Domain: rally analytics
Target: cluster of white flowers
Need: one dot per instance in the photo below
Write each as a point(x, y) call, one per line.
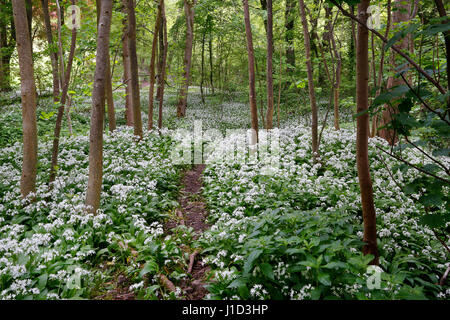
point(62, 230)
point(238, 194)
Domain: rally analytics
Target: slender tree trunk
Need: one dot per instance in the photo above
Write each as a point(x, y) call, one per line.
point(442, 13)
point(289, 36)
point(29, 6)
point(203, 66)
point(152, 67)
point(60, 115)
point(7, 45)
point(28, 92)
point(380, 71)
point(160, 56)
point(94, 187)
point(52, 49)
point(110, 98)
point(108, 85)
point(163, 67)
point(126, 69)
point(251, 74)
point(337, 78)
point(312, 96)
point(269, 73)
point(401, 14)
point(362, 135)
point(279, 88)
point(135, 87)
point(182, 102)
point(211, 70)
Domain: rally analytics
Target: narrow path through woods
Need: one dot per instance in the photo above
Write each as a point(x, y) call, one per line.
point(192, 213)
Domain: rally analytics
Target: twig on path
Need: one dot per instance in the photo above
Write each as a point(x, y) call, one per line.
point(180, 215)
point(167, 283)
point(191, 261)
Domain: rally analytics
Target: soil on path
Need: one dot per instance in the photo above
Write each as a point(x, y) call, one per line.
point(193, 213)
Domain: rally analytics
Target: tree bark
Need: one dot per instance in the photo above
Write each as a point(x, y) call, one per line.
point(160, 56)
point(401, 14)
point(251, 74)
point(362, 135)
point(337, 74)
point(60, 115)
point(126, 69)
point(380, 71)
point(289, 36)
point(94, 187)
point(442, 13)
point(163, 67)
point(269, 73)
point(135, 87)
point(110, 98)
point(52, 49)
point(211, 70)
point(152, 67)
point(28, 92)
point(7, 44)
point(189, 12)
point(203, 66)
point(312, 95)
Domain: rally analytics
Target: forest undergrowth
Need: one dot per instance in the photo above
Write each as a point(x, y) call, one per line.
point(296, 234)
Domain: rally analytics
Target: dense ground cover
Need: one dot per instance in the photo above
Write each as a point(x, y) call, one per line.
point(295, 235)
point(298, 234)
point(46, 243)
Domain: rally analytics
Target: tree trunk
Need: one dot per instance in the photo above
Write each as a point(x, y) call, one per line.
point(401, 14)
point(28, 92)
point(211, 70)
point(362, 135)
point(442, 13)
point(289, 36)
point(189, 12)
point(7, 44)
point(126, 69)
point(203, 65)
point(380, 71)
point(251, 74)
point(337, 77)
point(94, 187)
point(52, 52)
point(29, 6)
point(163, 67)
point(135, 87)
point(60, 115)
point(152, 67)
point(312, 95)
point(110, 98)
point(269, 75)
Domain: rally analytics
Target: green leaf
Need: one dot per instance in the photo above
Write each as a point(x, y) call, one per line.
point(335, 265)
point(324, 278)
point(248, 265)
point(42, 281)
point(431, 200)
point(436, 28)
point(433, 220)
point(267, 270)
point(149, 267)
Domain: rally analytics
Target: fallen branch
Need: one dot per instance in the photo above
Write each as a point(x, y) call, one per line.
point(180, 216)
point(444, 277)
point(191, 261)
point(167, 283)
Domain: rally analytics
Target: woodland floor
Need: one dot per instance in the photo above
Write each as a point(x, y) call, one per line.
point(193, 214)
